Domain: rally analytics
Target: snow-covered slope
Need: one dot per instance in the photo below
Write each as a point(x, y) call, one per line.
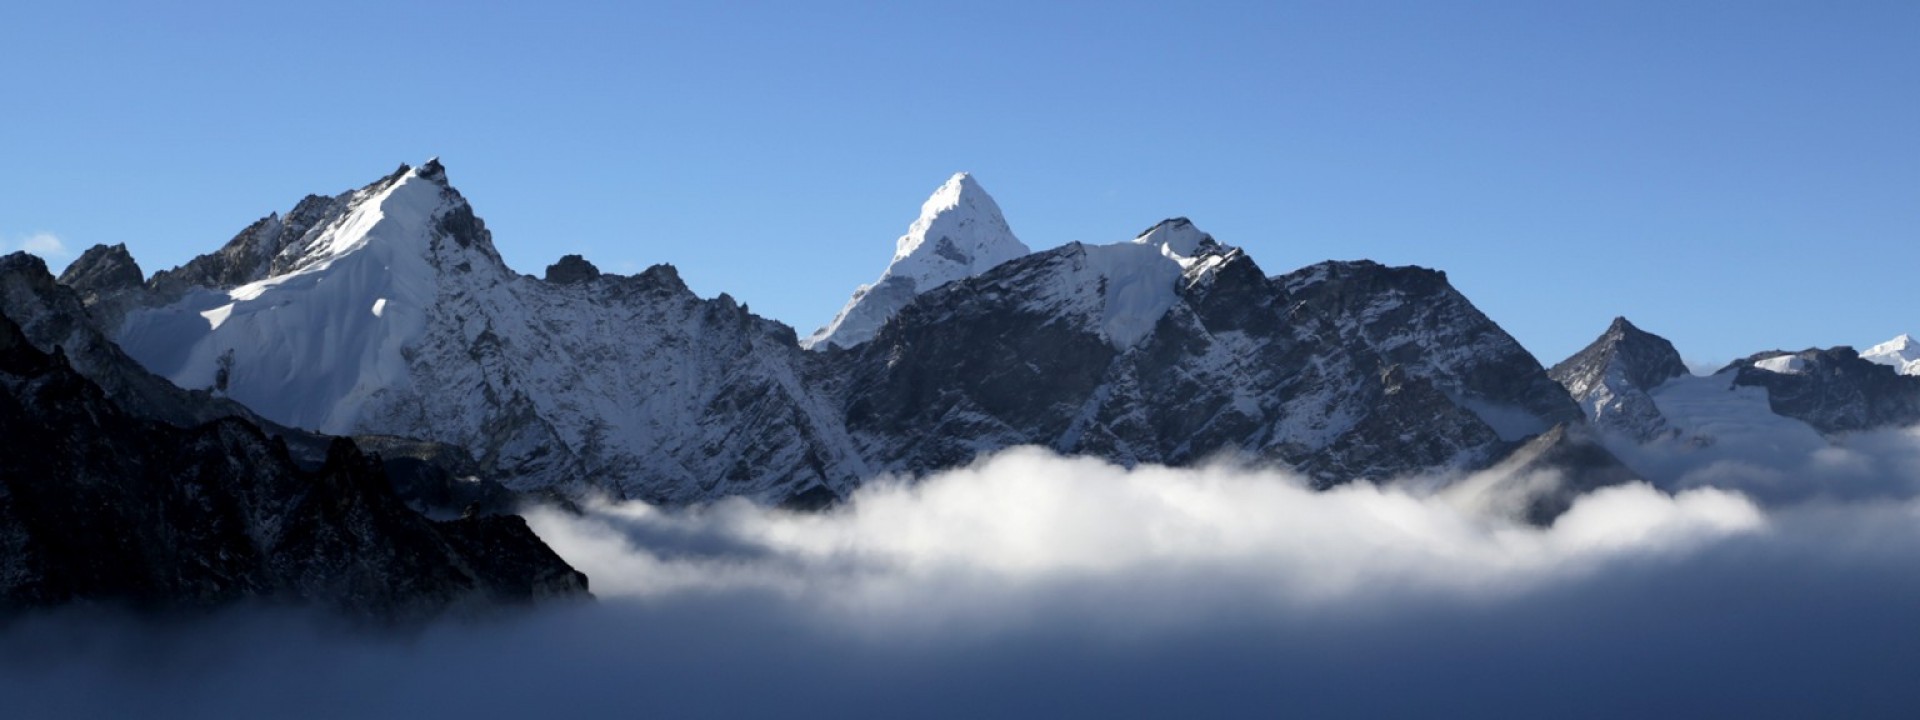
point(391, 313)
point(355, 292)
point(1716, 429)
point(1123, 289)
point(1902, 353)
point(960, 233)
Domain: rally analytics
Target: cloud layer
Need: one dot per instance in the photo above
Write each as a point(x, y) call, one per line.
point(1028, 523)
point(1038, 585)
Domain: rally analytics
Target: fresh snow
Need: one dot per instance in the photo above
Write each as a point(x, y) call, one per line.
point(1783, 364)
point(1721, 428)
point(1714, 407)
point(387, 321)
point(1128, 286)
point(1136, 285)
point(310, 323)
point(1903, 353)
point(960, 233)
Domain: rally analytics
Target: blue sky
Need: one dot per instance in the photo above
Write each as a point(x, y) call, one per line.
point(1736, 176)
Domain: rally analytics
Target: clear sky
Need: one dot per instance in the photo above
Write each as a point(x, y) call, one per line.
point(1737, 176)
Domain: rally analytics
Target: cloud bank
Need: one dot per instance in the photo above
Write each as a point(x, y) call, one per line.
point(1027, 523)
point(1031, 584)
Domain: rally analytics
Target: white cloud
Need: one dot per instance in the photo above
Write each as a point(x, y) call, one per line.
point(1035, 585)
point(45, 245)
point(1026, 523)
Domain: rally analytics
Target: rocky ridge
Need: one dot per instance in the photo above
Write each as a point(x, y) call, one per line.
point(1170, 348)
point(1612, 377)
point(116, 509)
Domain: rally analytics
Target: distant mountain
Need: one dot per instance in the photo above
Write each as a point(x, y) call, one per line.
point(1611, 379)
point(386, 310)
point(1174, 347)
point(1774, 409)
point(1834, 390)
point(960, 234)
point(119, 507)
point(1901, 353)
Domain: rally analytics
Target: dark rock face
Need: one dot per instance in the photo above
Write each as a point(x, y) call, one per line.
point(51, 315)
point(1552, 470)
point(1642, 358)
point(117, 509)
point(571, 269)
point(969, 368)
point(103, 270)
point(191, 476)
point(432, 477)
point(1834, 390)
point(1344, 370)
point(249, 256)
point(1610, 379)
point(439, 481)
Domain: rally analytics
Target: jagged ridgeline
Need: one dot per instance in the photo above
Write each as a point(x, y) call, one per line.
point(121, 489)
point(386, 310)
point(1774, 409)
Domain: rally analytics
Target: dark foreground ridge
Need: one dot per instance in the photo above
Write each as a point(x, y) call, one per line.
point(100, 505)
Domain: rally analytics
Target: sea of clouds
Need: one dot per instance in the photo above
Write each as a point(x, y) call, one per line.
point(1039, 585)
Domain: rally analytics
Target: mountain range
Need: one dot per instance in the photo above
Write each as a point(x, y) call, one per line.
point(386, 310)
point(385, 313)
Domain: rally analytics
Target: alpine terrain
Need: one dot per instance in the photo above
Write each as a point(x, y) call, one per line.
point(386, 310)
point(1773, 408)
point(136, 493)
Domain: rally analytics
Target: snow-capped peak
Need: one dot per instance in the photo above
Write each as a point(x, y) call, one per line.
point(1177, 238)
point(1903, 353)
point(335, 308)
point(400, 209)
point(959, 234)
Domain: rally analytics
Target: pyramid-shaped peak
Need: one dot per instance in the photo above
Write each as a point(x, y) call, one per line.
point(960, 233)
point(102, 270)
point(398, 215)
point(960, 194)
point(1899, 342)
point(1623, 328)
point(1639, 357)
point(1902, 352)
point(961, 182)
